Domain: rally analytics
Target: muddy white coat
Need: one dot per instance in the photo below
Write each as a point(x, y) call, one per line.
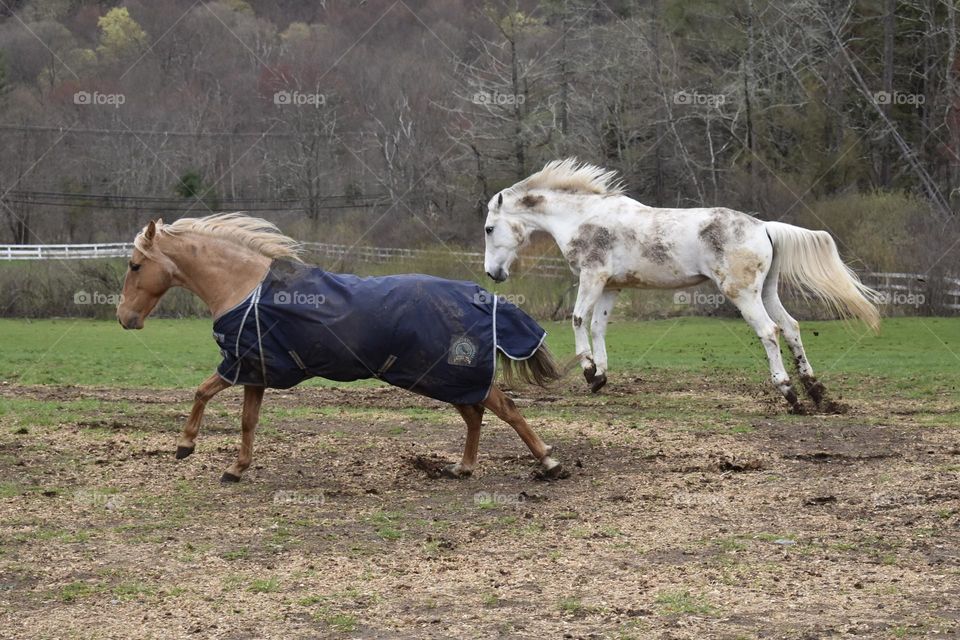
point(613, 242)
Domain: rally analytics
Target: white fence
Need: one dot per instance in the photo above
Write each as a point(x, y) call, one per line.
point(899, 289)
point(64, 251)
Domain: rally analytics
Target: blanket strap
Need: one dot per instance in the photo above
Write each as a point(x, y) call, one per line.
point(236, 351)
point(386, 365)
point(256, 316)
point(296, 359)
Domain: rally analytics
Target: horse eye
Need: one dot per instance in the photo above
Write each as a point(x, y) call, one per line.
point(134, 267)
point(489, 230)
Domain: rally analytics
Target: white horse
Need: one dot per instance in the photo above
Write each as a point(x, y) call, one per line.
point(613, 242)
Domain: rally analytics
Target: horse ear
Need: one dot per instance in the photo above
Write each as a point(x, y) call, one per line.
point(151, 231)
point(499, 200)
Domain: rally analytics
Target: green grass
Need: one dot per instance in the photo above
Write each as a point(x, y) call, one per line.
point(264, 585)
point(76, 590)
point(132, 590)
point(683, 603)
point(571, 605)
point(342, 622)
point(180, 353)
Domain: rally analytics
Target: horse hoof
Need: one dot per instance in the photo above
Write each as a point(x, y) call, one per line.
point(554, 472)
point(814, 389)
point(454, 472)
point(550, 469)
point(183, 452)
point(590, 373)
point(229, 478)
point(598, 382)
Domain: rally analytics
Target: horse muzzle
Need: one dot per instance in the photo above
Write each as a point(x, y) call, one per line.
point(497, 275)
point(131, 322)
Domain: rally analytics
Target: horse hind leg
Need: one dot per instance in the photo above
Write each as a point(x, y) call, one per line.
point(791, 334)
point(473, 415)
point(748, 301)
point(252, 400)
point(506, 410)
point(598, 328)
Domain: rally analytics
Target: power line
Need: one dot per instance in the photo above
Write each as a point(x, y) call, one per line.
point(105, 201)
point(24, 193)
point(187, 206)
point(164, 133)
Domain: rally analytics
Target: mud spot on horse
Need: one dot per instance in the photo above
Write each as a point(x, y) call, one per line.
point(714, 235)
point(656, 251)
point(518, 233)
point(531, 201)
point(591, 244)
point(739, 230)
point(744, 269)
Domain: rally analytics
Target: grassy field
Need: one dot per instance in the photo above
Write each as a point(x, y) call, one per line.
point(696, 506)
point(180, 353)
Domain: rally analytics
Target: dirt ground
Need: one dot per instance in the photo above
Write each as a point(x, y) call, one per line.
point(693, 509)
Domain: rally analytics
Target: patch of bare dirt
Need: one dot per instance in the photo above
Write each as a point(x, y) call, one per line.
point(692, 509)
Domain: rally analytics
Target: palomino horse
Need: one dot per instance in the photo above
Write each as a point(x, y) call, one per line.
point(279, 321)
point(613, 242)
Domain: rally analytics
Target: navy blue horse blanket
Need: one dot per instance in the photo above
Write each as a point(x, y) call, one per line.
point(436, 337)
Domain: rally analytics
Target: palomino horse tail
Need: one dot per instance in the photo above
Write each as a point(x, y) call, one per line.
point(809, 261)
point(540, 369)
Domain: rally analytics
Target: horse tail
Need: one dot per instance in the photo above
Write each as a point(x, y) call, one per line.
point(809, 261)
point(540, 369)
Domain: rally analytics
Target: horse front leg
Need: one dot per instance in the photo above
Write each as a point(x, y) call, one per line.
point(252, 400)
point(591, 288)
point(207, 389)
point(598, 328)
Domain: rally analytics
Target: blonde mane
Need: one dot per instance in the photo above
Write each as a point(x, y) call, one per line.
point(256, 234)
point(572, 176)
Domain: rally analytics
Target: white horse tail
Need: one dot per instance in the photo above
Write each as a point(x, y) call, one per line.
point(809, 261)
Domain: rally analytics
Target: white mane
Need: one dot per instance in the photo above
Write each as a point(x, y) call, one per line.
point(255, 234)
point(573, 176)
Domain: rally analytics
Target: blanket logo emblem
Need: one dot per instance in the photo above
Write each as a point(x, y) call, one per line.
point(463, 352)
